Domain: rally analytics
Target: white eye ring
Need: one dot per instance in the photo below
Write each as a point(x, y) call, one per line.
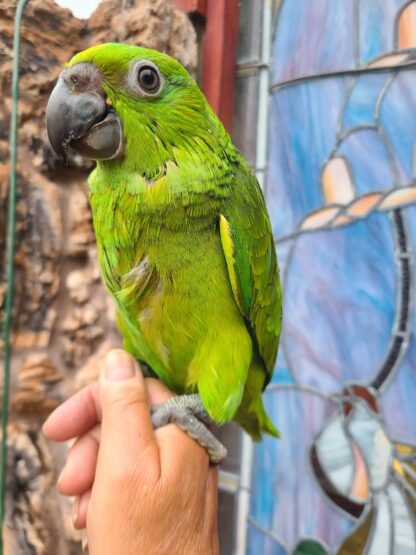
point(145, 79)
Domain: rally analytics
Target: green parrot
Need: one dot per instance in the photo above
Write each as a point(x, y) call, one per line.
point(184, 239)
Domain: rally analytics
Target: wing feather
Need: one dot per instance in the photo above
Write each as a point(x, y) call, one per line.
point(250, 254)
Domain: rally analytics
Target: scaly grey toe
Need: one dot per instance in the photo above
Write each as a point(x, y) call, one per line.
point(189, 414)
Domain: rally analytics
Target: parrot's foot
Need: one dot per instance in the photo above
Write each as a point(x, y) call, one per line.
point(189, 414)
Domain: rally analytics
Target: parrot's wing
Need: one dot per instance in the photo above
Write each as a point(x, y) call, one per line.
point(250, 254)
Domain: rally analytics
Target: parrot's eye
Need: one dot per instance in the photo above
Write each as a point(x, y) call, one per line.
point(145, 79)
point(148, 79)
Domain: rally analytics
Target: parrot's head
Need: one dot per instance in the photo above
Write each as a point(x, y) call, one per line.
point(122, 102)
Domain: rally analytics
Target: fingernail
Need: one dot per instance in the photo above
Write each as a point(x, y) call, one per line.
point(43, 426)
point(120, 366)
point(75, 510)
point(61, 475)
point(84, 541)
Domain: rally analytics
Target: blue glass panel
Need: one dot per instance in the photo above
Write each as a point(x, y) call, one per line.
point(375, 39)
point(287, 498)
point(343, 287)
point(339, 282)
point(283, 250)
point(398, 122)
point(376, 29)
point(368, 158)
point(303, 127)
point(259, 543)
point(362, 101)
point(313, 37)
point(402, 392)
point(282, 373)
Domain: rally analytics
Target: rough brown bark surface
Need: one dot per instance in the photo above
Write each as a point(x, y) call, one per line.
point(63, 320)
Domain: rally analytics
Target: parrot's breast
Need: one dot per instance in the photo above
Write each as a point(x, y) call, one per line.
point(173, 298)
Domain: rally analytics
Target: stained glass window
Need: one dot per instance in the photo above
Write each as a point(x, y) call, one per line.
point(341, 190)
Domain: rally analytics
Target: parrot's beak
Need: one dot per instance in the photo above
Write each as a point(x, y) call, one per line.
point(78, 115)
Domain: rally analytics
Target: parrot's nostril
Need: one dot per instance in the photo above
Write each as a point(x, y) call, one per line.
point(83, 78)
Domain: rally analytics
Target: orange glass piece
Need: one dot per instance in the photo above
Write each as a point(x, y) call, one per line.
point(407, 27)
point(337, 184)
point(320, 218)
point(400, 197)
point(343, 219)
point(388, 61)
point(359, 488)
point(363, 205)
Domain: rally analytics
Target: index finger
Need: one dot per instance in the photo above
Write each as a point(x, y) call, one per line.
point(75, 416)
point(81, 412)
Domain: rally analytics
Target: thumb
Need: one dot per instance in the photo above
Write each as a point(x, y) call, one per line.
point(127, 429)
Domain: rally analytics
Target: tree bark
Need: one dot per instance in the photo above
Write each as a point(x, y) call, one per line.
point(63, 319)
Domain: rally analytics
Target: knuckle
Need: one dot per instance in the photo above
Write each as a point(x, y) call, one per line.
point(121, 476)
point(126, 398)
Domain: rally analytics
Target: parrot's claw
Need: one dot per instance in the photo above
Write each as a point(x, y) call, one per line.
point(189, 414)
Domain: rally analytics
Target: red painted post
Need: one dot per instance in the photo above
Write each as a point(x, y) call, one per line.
point(220, 51)
point(220, 54)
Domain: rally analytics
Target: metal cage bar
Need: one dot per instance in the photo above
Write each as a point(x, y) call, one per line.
point(11, 233)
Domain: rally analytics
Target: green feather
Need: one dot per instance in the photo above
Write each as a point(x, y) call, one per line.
point(185, 244)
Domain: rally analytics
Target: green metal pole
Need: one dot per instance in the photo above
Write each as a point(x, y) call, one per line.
point(11, 232)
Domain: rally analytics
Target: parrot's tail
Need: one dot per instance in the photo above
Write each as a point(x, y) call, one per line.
point(251, 415)
point(255, 421)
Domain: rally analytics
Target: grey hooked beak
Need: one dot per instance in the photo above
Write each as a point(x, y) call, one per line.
point(78, 116)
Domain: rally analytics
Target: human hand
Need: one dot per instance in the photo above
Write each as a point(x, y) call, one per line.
point(138, 490)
